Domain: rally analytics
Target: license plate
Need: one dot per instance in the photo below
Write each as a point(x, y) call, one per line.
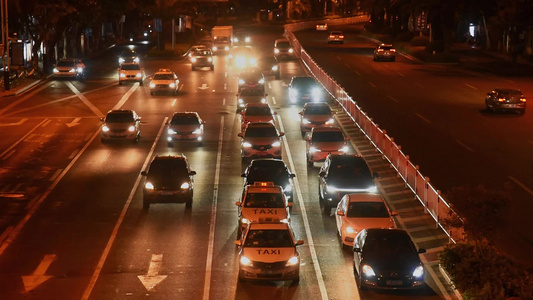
point(394, 282)
point(167, 193)
point(512, 105)
point(270, 272)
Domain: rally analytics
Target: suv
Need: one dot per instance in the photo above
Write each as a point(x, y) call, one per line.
point(166, 81)
point(252, 78)
point(246, 96)
point(128, 56)
point(262, 202)
point(384, 52)
point(169, 179)
point(268, 252)
point(130, 72)
point(202, 58)
point(256, 112)
point(185, 126)
point(274, 170)
point(342, 174)
point(305, 88)
point(315, 114)
point(260, 139)
point(506, 99)
point(283, 48)
point(269, 66)
point(323, 141)
point(121, 124)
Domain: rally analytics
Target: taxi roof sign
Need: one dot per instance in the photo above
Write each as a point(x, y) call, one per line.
point(263, 183)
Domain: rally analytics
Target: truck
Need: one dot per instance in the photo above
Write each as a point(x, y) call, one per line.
point(222, 39)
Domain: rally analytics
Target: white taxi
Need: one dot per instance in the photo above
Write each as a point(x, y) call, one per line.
point(262, 202)
point(130, 72)
point(164, 80)
point(268, 252)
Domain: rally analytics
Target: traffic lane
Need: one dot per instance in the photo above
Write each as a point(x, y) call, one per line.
point(14, 130)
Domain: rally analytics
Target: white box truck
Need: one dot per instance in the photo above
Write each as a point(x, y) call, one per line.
point(222, 38)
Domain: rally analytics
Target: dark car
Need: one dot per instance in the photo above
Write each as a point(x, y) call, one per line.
point(246, 96)
point(305, 89)
point(387, 259)
point(252, 78)
point(128, 56)
point(274, 170)
point(283, 49)
point(506, 99)
point(185, 126)
point(241, 38)
point(202, 58)
point(169, 179)
point(269, 66)
point(384, 52)
point(342, 174)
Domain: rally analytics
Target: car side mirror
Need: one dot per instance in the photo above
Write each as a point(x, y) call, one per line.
point(488, 94)
point(347, 138)
point(290, 204)
point(203, 122)
point(102, 120)
point(192, 173)
point(307, 138)
point(340, 213)
point(275, 113)
point(281, 133)
point(143, 173)
point(243, 175)
point(299, 242)
point(238, 242)
point(301, 113)
point(358, 250)
point(238, 203)
point(376, 175)
point(240, 134)
point(394, 213)
point(292, 175)
point(421, 250)
point(237, 95)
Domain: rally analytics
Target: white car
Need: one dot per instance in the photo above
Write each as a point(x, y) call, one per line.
point(322, 26)
point(121, 124)
point(130, 72)
point(336, 37)
point(358, 211)
point(164, 81)
point(67, 68)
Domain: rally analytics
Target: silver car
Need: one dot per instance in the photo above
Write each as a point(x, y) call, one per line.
point(506, 99)
point(122, 124)
point(185, 126)
point(384, 52)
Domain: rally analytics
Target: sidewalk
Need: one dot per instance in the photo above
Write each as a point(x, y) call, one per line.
point(24, 86)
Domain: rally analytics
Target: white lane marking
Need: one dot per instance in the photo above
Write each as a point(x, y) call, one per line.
point(347, 65)
point(520, 184)
point(312, 250)
point(114, 233)
point(472, 87)
point(71, 156)
point(465, 146)
point(5, 233)
point(339, 58)
point(393, 99)
point(56, 173)
point(274, 100)
point(13, 235)
point(8, 154)
point(223, 101)
point(22, 138)
point(422, 117)
point(13, 104)
point(226, 74)
point(419, 84)
point(152, 277)
point(211, 245)
point(86, 101)
point(371, 84)
point(74, 122)
point(400, 74)
point(174, 102)
point(37, 277)
point(359, 74)
point(126, 96)
point(269, 85)
point(20, 122)
point(46, 123)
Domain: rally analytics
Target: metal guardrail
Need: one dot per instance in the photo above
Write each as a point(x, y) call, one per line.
point(424, 191)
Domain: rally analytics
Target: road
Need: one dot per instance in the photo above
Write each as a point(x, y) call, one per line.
point(72, 223)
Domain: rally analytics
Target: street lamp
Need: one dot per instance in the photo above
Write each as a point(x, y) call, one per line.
point(5, 42)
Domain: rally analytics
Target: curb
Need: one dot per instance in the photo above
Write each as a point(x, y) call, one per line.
point(25, 88)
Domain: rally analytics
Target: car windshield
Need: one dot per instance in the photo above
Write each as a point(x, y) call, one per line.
point(185, 120)
point(261, 132)
point(268, 238)
point(327, 136)
point(336, 33)
point(119, 118)
point(128, 53)
point(283, 45)
point(354, 171)
point(388, 243)
point(222, 39)
point(66, 63)
point(267, 172)
point(258, 111)
point(202, 52)
point(163, 77)
point(263, 200)
point(385, 47)
point(303, 82)
point(510, 94)
point(367, 210)
point(249, 92)
point(130, 67)
point(317, 110)
point(168, 168)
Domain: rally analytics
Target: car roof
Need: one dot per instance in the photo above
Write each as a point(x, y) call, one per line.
point(170, 157)
point(335, 32)
point(185, 113)
point(347, 157)
point(120, 111)
point(326, 129)
point(257, 104)
point(316, 104)
point(385, 45)
point(260, 124)
point(387, 232)
point(272, 226)
point(164, 71)
point(267, 161)
point(505, 91)
point(364, 197)
point(255, 188)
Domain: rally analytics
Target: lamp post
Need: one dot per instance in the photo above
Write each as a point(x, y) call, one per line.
point(5, 42)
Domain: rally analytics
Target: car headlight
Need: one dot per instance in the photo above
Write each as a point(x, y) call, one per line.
point(185, 186)
point(171, 131)
point(245, 261)
point(288, 188)
point(291, 50)
point(122, 75)
point(316, 92)
point(253, 61)
point(293, 261)
point(276, 144)
point(274, 68)
point(72, 70)
point(368, 271)
point(418, 272)
point(236, 40)
point(246, 145)
point(247, 39)
point(172, 85)
point(139, 75)
point(121, 60)
point(226, 48)
point(56, 70)
point(331, 189)
point(131, 128)
point(197, 131)
point(240, 101)
point(241, 81)
point(344, 149)
point(350, 230)
point(329, 122)
point(215, 48)
point(372, 189)
point(209, 59)
point(105, 128)
point(263, 100)
point(261, 81)
point(152, 85)
point(193, 59)
point(276, 50)
point(136, 59)
point(149, 186)
point(79, 70)
point(245, 221)
point(313, 149)
point(305, 121)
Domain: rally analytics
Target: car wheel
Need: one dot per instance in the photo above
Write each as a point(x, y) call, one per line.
point(212, 68)
point(141, 82)
point(200, 144)
point(375, 59)
point(241, 277)
point(175, 92)
point(119, 82)
point(327, 208)
point(151, 93)
point(188, 203)
point(320, 197)
point(394, 59)
point(239, 231)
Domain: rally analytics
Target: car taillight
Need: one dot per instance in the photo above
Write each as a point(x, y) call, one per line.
point(392, 50)
point(331, 36)
point(341, 36)
point(522, 99)
point(501, 99)
point(380, 50)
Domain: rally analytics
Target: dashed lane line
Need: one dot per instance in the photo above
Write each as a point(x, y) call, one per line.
point(393, 99)
point(465, 146)
point(520, 184)
point(423, 118)
point(472, 87)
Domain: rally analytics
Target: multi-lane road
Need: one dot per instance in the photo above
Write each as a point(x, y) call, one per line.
point(71, 220)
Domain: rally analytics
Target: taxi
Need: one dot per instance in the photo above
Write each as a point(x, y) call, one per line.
point(164, 80)
point(268, 252)
point(262, 202)
point(130, 72)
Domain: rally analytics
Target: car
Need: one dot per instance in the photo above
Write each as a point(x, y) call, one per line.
point(256, 112)
point(269, 65)
point(68, 68)
point(246, 96)
point(268, 252)
point(321, 26)
point(164, 80)
point(128, 56)
point(241, 38)
point(221, 44)
point(202, 58)
point(269, 169)
point(121, 124)
point(193, 48)
point(358, 211)
point(262, 202)
point(141, 36)
point(260, 139)
point(283, 49)
point(252, 78)
point(130, 72)
point(336, 37)
point(384, 52)
point(323, 141)
point(315, 114)
point(506, 100)
point(185, 126)
point(169, 179)
point(242, 58)
point(305, 89)
point(387, 259)
point(343, 174)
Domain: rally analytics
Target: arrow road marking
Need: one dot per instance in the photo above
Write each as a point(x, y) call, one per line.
point(15, 124)
point(74, 122)
point(38, 277)
point(151, 279)
point(203, 87)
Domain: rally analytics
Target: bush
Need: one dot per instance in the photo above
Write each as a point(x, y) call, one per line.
point(405, 36)
point(420, 41)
